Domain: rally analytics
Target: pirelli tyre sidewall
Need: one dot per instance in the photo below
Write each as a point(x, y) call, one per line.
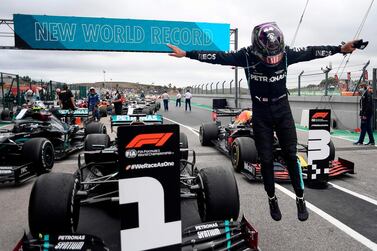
point(218, 197)
point(89, 145)
point(53, 206)
point(40, 152)
point(183, 141)
point(5, 115)
point(103, 111)
point(332, 151)
point(207, 133)
point(95, 127)
point(243, 149)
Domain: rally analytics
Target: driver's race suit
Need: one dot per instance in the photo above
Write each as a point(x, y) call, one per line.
point(271, 110)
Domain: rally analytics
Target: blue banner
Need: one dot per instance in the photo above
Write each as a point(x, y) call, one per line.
point(107, 34)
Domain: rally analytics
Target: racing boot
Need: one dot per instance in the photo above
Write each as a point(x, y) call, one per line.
point(274, 208)
point(302, 212)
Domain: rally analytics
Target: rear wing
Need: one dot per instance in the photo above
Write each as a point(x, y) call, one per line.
point(79, 112)
point(220, 108)
point(120, 120)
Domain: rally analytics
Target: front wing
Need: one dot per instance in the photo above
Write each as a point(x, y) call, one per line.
point(16, 173)
point(336, 168)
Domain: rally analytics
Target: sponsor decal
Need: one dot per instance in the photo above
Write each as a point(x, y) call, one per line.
point(132, 153)
point(266, 79)
point(156, 139)
point(69, 245)
point(209, 56)
point(149, 165)
point(23, 170)
point(323, 53)
point(206, 226)
point(71, 237)
point(299, 49)
point(6, 171)
point(208, 233)
point(321, 115)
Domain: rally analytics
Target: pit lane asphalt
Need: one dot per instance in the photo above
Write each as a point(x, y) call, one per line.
point(289, 234)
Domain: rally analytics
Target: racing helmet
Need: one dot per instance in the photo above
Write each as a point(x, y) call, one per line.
point(244, 117)
point(29, 92)
point(268, 43)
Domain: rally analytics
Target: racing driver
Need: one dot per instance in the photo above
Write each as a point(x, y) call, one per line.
point(265, 63)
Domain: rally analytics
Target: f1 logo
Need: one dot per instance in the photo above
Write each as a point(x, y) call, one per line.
point(148, 193)
point(157, 139)
point(321, 115)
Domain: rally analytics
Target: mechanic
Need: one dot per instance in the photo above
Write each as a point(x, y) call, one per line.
point(66, 98)
point(188, 97)
point(266, 62)
point(178, 99)
point(57, 99)
point(93, 101)
point(165, 98)
point(117, 101)
point(366, 113)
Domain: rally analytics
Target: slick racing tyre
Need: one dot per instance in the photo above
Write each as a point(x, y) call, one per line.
point(94, 142)
point(332, 151)
point(40, 152)
point(243, 149)
point(53, 205)
point(207, 133)
point(103, 111)
point(218, 197)
point(5, 115)
point(147, 111)
point(183, 142)
point(95, 127)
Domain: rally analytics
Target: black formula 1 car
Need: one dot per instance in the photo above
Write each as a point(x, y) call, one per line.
point(236, 140)
point(35, 139)
point(96, 181)
point(147, 106)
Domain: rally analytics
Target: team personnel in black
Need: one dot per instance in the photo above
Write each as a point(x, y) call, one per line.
point(66, 98)
point(265, 63)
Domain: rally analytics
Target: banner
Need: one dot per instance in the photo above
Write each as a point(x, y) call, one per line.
point(149, 187)
point(108, 34)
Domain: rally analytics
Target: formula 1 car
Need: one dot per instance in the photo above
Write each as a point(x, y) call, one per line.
point(96, 181)
point(236, 140)
point(35, 140)
point(147, 107)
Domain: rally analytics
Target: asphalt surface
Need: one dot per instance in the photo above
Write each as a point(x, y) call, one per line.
point(342, 217)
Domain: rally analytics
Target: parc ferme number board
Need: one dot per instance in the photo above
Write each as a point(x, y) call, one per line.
point(318, 144)
point(149, 187)
point(109, 34)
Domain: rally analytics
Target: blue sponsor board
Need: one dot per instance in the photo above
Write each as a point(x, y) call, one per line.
point(108, 34)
